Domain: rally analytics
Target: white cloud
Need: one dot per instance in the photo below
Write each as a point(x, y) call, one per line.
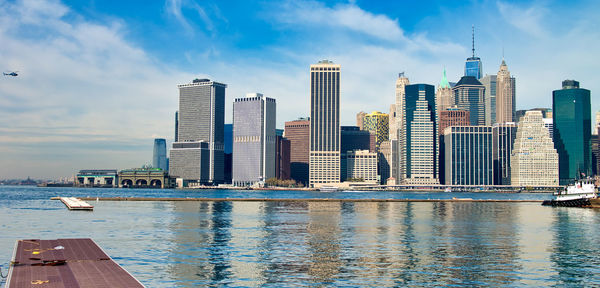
point(526, 19)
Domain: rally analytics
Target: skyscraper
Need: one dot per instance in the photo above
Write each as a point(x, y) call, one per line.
point(450, 117)
point(360, 116)
point(489, 98)
point(473, 65)
point(571, 110)
point(378, 123)
point(469, 95)
point(159, 157)
point(418, 142)
point(503, 139)
point(444, 96)
point(298, 132)
point(176, 126)
point(254, 139)
point(201, 119)
point(324, 158)
point(505, 95)
point(534, 160)
point(469, 155)
point(398, 106)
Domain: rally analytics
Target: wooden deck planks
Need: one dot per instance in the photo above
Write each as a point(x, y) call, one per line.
point(65, 263)
point(76, 204)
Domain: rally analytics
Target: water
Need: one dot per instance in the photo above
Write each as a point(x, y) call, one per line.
point(290, 244)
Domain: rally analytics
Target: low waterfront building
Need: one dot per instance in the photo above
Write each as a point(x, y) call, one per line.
point(190, 161)
point(96, 178)
point(362, 164)
point(534, 159)
point(143, 178)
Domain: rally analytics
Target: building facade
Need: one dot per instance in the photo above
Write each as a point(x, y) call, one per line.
point(469, 95)
point(190, 161)
point(444, 96)
point(324, 157)
point(377, 123)
point(159, 155)
point(489, 98)
point(505, 95)
point(503, 137)
point(534, 159)
point(96, 178)
point(398, 106)
point(362, 164)
point(282, 159)
point(254, 139)
point(201, 119)
point(298, 133)
point(453, 117)
point(469, 158)
point(571, 110)
point(418, 141)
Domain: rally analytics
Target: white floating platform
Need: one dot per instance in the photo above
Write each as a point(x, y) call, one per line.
point(76, 204)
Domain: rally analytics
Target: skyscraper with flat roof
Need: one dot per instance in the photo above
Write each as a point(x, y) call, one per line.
point(254, 139)
point(571, 111)
point(159, 155)
point(298, 133)
point(489, 98)
point(503, 140)
point(201, 119)
point(324, 158)
point(377, 123)
point(469, 155)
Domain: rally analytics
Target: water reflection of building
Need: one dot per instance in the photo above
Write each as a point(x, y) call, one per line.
point(324, 249)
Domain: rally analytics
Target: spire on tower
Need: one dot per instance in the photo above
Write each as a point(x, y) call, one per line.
point(473, 39)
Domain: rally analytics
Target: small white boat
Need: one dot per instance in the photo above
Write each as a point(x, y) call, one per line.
point(448, 190)
point(328, 189)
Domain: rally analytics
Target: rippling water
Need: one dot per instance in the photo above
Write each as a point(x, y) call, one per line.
point(279, 244)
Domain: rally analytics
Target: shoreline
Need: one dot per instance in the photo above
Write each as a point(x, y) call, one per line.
point(172, 199)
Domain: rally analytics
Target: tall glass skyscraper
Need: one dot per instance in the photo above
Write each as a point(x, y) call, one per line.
point(571, 111)
point(473, 66)
point(324, 157)
point(159, 157)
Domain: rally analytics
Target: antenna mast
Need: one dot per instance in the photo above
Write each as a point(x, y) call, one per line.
point(473, 39)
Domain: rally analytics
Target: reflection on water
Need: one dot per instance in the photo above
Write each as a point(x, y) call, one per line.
point(290, 244)
point(381, 244)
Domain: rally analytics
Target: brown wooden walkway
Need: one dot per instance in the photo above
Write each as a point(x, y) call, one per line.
point(65, 263)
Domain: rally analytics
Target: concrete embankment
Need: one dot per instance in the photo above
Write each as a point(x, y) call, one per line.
point(299, 199)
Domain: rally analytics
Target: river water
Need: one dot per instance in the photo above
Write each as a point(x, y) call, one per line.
point(290, 244)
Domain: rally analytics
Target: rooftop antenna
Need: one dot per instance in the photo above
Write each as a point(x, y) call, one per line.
point(473, 39)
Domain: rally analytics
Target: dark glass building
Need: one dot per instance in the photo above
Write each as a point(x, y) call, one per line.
point(159, 156)
point(571, 111)
point(469, 95)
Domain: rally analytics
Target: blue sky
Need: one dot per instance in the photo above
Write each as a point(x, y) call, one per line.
point(98, 78)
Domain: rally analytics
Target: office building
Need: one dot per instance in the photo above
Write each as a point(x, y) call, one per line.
point(228, 153)
point(534, 159)
point(546, 113)
point(324, 158)
point(452, 117)
point(444, 96)
point(469, 159)
point(201, 120)
point(596, 124)
point(176, 126)
point(282, 158)
point(362, 165)
point(398, 106)
point(473, 66)
point(159, 156)
point(596, 151)
point(360, 116)
point(571, 109)
point(549, 125)
point(469, 96)
point(505, 95)
point(385, 161)
point(503, 140)
point(418, 140)
point(377, 123)
point(489, 98)
point(254, 139)
point(298, 133)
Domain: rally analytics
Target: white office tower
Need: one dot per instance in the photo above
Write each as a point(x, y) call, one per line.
point(534, 160)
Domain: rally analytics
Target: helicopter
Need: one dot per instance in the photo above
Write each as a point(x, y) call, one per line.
point(12, 73)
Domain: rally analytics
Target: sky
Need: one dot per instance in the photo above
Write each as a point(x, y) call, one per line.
point(98, 79)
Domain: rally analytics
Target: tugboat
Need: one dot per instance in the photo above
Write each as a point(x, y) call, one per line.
point(582, 193)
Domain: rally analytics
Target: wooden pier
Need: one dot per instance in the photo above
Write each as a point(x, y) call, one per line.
point(65, 263)
point(76, 204)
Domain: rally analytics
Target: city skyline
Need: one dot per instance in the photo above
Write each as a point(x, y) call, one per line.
point(95, 91)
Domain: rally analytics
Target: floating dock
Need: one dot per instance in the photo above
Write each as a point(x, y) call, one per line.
point(65, 263)
point(76, 204)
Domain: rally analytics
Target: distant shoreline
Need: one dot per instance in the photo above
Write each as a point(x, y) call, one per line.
point(296, 199)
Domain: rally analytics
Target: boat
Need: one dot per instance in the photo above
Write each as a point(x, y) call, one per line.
point(448, 190)
point(328, 189)
point(582, 193)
